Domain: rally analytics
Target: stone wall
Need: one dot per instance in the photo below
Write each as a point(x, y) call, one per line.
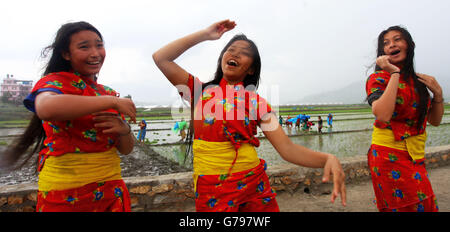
point(174, 192)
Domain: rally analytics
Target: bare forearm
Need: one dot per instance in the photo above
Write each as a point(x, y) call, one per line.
point(126, 143)
point(383, 108)
point(288, 150)
point(174, 49)
point(303, 156)
point(436, 111)
point(60, 107)
point(164, 57)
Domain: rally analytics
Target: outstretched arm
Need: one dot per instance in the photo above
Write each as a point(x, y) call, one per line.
point(303, 156)
point(51, 106)
point(164, 57)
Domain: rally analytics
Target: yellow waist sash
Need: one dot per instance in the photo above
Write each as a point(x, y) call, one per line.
point(73, 170)
point(415, 145)
point(216, 158)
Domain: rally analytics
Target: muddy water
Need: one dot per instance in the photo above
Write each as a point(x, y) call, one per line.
point(162, 159)
point(343, 145)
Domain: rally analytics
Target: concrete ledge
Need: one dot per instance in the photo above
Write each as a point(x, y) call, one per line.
point(174, 192)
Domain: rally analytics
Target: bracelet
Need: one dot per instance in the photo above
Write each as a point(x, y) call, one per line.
point(395, 72)
point(437, 101)
point(129, 131)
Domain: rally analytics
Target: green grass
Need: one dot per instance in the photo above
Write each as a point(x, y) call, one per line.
point(14, 123)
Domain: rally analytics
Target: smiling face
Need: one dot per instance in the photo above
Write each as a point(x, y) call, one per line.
point(86, 53)
point(395, 46)
point(237, 62)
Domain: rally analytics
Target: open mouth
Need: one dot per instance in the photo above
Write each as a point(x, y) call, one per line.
point(395, 52)
point(93, 62)
point(232, 63)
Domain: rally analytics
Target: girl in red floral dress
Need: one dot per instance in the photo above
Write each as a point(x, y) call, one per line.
point(402, 106)
point(78, 128)
point(228, 175)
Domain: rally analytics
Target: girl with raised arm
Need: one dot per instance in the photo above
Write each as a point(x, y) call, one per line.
point(402, 107)
point(228, 175)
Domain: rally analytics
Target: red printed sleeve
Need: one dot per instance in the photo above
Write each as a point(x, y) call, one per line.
point(54, 83)
point(192, 90)
point(258, 108)
point(375, 85)
point(377, 82)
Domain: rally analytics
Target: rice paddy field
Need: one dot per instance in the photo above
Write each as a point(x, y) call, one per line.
point(349, 136)
point(163, 152)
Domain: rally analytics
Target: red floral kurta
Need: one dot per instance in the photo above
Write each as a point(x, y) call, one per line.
point(71, 136)
point(221, 117)
point(231, 113)
point(399, 183)
point(77, 136)
point(405, 118)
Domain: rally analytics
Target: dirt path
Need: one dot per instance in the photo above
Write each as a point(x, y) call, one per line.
point(360, 197)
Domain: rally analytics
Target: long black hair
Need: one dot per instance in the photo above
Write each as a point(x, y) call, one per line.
point(34, 133)
point(61, 45)
point(251, 81)
point(408, 70)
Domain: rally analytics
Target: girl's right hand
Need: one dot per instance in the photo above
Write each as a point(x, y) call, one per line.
point(216, 30)
point(385, 64)
point(125, 106)
point(333, 168)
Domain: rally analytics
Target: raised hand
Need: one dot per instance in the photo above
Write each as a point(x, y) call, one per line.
point(431, 84)
point(216, 30)
point(385, 64)
point(333, 167)
point(125, 106)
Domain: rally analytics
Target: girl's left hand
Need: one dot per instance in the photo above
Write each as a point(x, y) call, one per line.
point(110, 123)
point(333, 167)
point(216, 30)
point(431, 84)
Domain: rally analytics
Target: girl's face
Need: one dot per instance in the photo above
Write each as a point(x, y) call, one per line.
point(86, 53)
point(395, 46)
point(237, 61)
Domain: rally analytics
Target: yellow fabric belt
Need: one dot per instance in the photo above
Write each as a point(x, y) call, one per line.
point(73, 170)
point(216, 158)
point(415, 145)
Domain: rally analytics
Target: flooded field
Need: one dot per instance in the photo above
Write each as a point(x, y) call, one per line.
point(350, 136)
point(343, 145)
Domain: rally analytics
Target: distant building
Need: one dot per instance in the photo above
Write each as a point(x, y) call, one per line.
point(15, 90)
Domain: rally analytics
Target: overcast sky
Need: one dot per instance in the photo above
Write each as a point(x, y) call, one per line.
point(306, 46)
